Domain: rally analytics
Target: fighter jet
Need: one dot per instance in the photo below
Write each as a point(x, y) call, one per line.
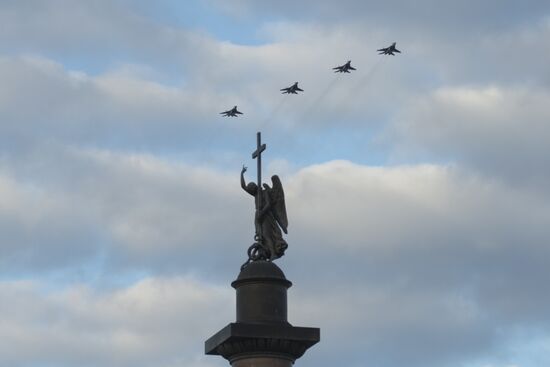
point(292, 89)
point(388, 50)
point(231, 113)
point(344, 68)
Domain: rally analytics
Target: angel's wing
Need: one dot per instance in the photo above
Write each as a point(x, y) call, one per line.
point(278, 198)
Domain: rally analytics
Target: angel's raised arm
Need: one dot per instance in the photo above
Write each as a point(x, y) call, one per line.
point(243, 182)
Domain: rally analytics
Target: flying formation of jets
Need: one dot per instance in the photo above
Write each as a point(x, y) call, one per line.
point(344, 68)
point(388, 50)
point(231, 113)
point(294, 89)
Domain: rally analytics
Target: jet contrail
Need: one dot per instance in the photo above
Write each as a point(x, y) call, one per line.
point(275, 110)
point(363, 81)
point(320, 97)
point(366, 78)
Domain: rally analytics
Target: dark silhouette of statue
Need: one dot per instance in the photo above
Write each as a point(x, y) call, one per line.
point(270, 219)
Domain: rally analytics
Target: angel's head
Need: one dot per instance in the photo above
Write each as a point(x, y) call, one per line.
point(252, 188)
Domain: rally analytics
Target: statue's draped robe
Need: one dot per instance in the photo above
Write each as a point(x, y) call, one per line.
point(272, 235)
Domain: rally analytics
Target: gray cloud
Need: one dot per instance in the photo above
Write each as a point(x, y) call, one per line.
point(41, 101)
point(464, 17)
point(449, 246)
point(98, 34)
point(126, 107)
point(426, 262)
point(446, 261)
point(124, 208)
point(499, 131)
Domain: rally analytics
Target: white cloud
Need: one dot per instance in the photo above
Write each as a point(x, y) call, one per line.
point(155, 322)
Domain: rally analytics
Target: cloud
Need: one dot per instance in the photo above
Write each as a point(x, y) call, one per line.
point(42, 101)
point(40, 228)
point(421, 256)
point(398, 15)
point(154, 322)
point(96, 35)
point(496, 130)
point(115, 162)
point(126, 105)
point(447, 245)
point(442, 43)
point(116, 209)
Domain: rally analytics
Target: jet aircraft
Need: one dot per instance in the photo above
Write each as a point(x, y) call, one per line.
point(231, 113)
point(294, 89)
point(388, 50)
point(344, 68)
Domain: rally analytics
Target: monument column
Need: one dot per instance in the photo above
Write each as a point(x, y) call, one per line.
point(261, 336)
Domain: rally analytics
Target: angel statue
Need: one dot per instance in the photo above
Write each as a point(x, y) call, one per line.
point(270, 218)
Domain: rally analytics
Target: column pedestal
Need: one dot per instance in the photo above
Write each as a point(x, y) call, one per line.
point(262, 336)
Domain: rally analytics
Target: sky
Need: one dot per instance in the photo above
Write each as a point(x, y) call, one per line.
point(417, 186)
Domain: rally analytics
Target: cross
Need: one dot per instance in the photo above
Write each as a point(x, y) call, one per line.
point(258, 154)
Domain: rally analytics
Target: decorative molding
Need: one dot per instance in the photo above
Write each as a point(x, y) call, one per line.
point(235, 349)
